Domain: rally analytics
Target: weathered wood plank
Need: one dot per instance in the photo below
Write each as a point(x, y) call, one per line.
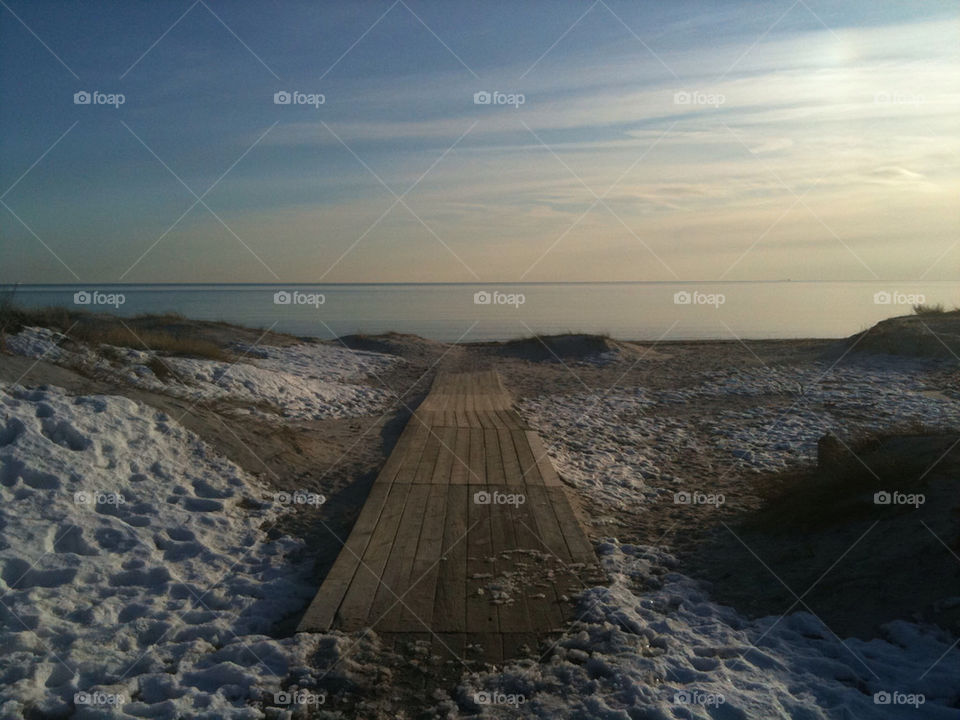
point(493, 457)
point(477, 475)
point(460, 469)
point(388, 603)
point(355, 608)
point(443, 468)
point(418, 613)
point(322, 611)
point(482, 615)
point(547, 471)
point(529, 468)
point(511, 460)
point(450, 610)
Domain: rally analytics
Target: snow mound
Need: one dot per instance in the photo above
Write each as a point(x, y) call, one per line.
point(135, 567)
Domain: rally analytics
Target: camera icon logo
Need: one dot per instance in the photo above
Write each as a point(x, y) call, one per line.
point(82, 698)
point(681, 98)
point(281, 97)
point(81, 98)
point(882, 498)
point(282, 698)
point(482, 98)
point(482, 297)
point(682, 298)
point(282, 297)
point(482, 698)
point(82, 297)
point(881, 698)
point(681, 498)
point(882, 298)
point(481, 497)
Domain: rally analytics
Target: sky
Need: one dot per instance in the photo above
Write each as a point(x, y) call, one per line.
point(720, 140)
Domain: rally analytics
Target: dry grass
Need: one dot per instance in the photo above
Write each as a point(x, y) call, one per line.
point(160, 341)
point(924, 309)
point(168, 334)
point(842, 491)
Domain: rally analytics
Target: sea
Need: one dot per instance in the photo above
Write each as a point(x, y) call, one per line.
point(458, 312)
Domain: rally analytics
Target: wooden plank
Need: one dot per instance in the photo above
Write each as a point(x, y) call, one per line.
point(477, 474)
point(460, 471)
point(547, 471)
point(513, 613)
point(551, 534)
point(428, 459)
point(541, 595)
point(511, 461)
point(411, 458)
point(418, 613)
point(529, 469)
point(494, 419)
point(493, 457)
point(482, 615)
point(445, 458)
point(387, 607)
point(450, 609)
point(322, 611)
point(355, 608)
point(547, 527)
point(581, 549)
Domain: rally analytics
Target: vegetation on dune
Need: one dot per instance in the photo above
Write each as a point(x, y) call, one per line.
point(167, 333)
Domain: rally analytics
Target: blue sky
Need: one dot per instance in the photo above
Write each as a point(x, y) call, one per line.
point(819, 141)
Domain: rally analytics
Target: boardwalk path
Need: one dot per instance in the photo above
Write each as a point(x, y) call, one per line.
point(444, 538)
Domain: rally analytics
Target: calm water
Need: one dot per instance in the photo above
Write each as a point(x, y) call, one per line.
point(639, 311)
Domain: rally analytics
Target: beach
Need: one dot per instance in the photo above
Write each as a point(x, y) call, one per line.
point(168, 518)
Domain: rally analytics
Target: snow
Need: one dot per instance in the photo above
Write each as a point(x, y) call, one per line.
point(36, 342)
point(653, 645)
point(130, 571)
point(623, 444)
point(306, 381)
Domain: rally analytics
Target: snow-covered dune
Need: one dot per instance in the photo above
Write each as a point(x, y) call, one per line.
point(308, 381)
point(135, 568)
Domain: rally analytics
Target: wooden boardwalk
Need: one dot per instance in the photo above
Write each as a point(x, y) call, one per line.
point(467, 538)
